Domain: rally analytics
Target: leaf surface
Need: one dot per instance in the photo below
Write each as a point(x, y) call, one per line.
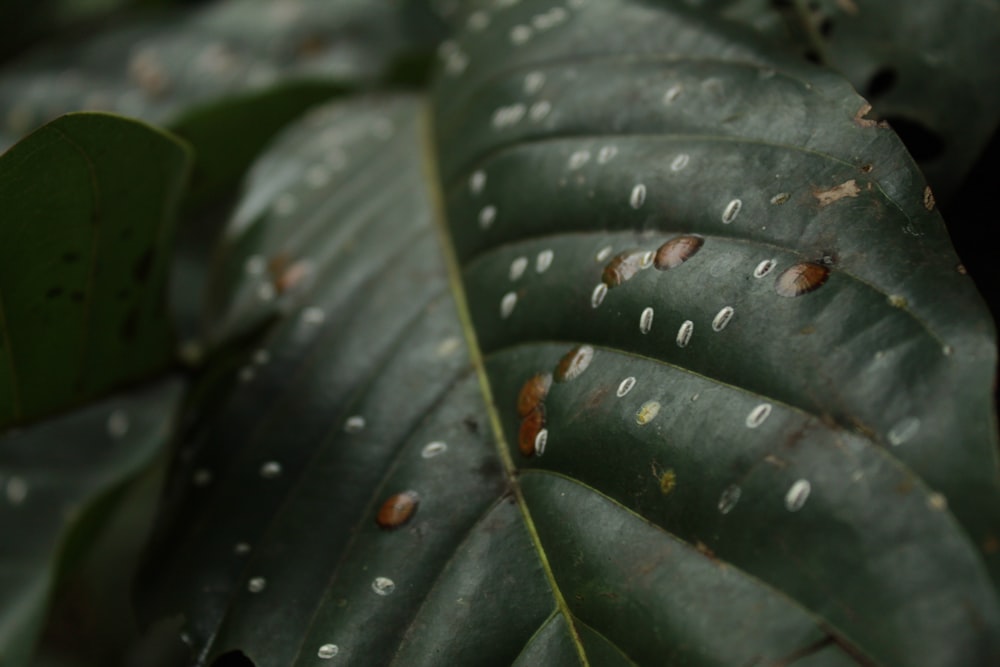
point(53, 476)
point(88, 221)
point(747, 457)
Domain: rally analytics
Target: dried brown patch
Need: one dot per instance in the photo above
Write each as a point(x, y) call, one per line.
point(846, 189)
point(861, 121)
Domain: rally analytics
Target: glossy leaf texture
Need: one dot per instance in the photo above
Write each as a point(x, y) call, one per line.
point(88, 222)
point(928, 68)
point(362, 391)
point(767, 437)
point(807, 398)
point(52, 477)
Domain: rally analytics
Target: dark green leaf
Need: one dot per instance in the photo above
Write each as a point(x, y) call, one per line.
point(88, 207)
point(52, 477)
point(744, 465)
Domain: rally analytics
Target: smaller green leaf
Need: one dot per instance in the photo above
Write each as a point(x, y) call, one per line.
point(51, 478)
point(88, 221)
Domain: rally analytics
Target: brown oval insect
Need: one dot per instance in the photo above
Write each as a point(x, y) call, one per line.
point(397, 510)
point(533, 393)
point(573, 363)
point(622, 268)
point(801, 278)
point(531, 426)
point(676, 251)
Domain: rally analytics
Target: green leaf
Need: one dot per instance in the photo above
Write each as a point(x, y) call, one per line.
point(927, 67)
point(88, 220)
point(781, 450)
point(53, 477)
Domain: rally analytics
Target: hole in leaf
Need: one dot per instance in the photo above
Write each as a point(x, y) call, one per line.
point(233, 659)
point(922, 142)
point(882, 82)
point(826, 26)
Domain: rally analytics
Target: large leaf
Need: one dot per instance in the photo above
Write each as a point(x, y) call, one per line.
point(929, 68)
point(53, 477)
point(88, 207)
point(781, 450)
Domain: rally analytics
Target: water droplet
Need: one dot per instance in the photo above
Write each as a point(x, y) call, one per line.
point(606, 154)
point(520, 34)
point(625, 386)
point(456, 62)
point(672, 93)
point(764, 268)
point(313, 315)
point(507, 304)
point(603, 253)
point(543, 261)
point(533, 393)
point(646, 320)
point(722, 318)
point(261, 357)
point(285, 204)
point(201, 477)
point(541, 440)
point(731, 211)
point(383, 586)
point(477, 20)
point(904, 430)
point(270, 470)
point(487, 215)
point(447, 346)
point(397, 510)
point(730, 496)
point(247, 374)
point(533, 82)
point(118, 423)
point(684, 333)
point(758, 415)
point(517, 267)
point(622, 268)
point(801, 278)
point(676, 251)
point(318, 175)
point(354, 424)
point(574, 363)
point(680, 162)
point(647, 412)
point(597, 296)
point(797, 495)
point(780, 198)
point(432, 449)
point(266, 292)
point(531, 425)
point(578, 159)
point(539, 110)
point(937, 501)
point(241, 549)
point(327, 651)
point(477, 181)
point(509, 115)
point(257, 584)
point(17, 490)
point(638, 196)
point(255, 265)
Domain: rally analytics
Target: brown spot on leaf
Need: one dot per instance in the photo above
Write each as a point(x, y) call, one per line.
point(533, 393)
point(397, 510)
point(861, 121)
point(928, 198)
point(848, 188)
point(531, 426)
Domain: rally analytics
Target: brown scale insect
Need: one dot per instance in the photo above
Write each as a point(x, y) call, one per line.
point(397, 510)
point(801, 278)
point(676, 251)
point(622, 268)
point(533, 393)
point(532, 424)
point(573, 363)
